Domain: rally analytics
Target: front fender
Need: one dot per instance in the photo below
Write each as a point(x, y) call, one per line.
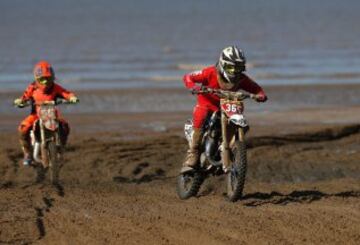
point(239, 120)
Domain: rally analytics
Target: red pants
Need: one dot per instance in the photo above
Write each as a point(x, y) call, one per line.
point(200, 114)
point(28, 122)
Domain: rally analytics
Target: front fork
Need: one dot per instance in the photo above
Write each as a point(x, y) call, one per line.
point(225, 154)
point(229, 135)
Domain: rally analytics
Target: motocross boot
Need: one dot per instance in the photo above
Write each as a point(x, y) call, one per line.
point(192, 156)
point(26, 148)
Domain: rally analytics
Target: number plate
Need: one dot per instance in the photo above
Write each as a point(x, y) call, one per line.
point(232, 107)
point(47, 114)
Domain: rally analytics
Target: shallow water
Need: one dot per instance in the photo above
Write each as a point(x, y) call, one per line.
point(130, 44)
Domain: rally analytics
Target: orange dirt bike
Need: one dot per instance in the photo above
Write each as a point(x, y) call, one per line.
point(46, 139)
point(223, 148)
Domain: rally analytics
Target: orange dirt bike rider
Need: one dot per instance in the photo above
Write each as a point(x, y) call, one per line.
point(42, 89)
point(227, 74)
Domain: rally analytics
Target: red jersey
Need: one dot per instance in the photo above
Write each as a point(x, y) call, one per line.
point(209, 77)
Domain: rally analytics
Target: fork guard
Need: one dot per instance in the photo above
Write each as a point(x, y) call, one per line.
point(36, 153)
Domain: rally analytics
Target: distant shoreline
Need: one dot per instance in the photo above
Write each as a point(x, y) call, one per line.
point(144, 88)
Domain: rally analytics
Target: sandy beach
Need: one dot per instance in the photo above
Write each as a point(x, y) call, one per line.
point(118, 179)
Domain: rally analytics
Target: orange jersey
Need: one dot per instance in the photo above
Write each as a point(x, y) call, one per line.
point(38, 93)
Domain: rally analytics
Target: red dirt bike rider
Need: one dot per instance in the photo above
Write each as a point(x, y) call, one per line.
point(42, 89)
point(227, 74)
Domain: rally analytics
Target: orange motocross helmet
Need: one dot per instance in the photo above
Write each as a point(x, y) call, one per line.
point(44, 73)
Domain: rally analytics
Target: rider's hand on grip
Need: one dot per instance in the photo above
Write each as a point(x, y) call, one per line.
point(19, 103)
point(196, 90)
point(261, 98)
point(74, 100)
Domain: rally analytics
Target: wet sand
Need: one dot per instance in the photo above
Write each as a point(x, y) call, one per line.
point(118, 183)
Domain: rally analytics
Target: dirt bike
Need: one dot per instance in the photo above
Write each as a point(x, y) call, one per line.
point(222, 149)
point(46, 139)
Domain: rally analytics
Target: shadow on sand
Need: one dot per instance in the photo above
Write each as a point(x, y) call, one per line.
point(59, 189)
point(305, 196)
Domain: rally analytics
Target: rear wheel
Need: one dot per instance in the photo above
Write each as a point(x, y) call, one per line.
point(188, 184)
point(54, 165)
point(236, 176)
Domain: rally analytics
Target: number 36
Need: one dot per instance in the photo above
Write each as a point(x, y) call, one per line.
point(230, 107)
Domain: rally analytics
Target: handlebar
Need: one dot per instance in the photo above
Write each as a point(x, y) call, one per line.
point(50, 102)
point(225, 94)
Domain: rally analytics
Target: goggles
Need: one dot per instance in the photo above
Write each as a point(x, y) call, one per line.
point(45, 80)
point(233, 69)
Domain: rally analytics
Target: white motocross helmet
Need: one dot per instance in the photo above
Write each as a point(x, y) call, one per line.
point(231, 64)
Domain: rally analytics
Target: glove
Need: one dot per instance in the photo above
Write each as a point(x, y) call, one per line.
point(73, 100)
point(261, 98)
point(19, 102)
point(195, 89)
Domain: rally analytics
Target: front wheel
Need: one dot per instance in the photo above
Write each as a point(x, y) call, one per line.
point(54, 165)
point(188, 184)
point(236, 176)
